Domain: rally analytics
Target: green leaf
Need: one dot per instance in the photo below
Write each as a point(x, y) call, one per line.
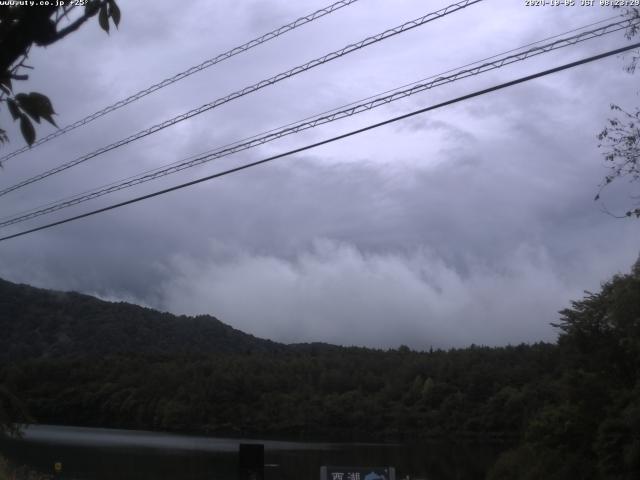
point(91, 8)
point(37, 106)
point(42, 102)
point(43, 106)
point(114, 12)
point(28, 132)
point(13, 108)
point(103, 18)
point(27, 105)
point(50, 119)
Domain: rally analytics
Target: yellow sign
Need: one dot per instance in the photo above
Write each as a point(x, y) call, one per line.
point(57, 467)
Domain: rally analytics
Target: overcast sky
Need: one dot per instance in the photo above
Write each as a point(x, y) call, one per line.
point(474, 223)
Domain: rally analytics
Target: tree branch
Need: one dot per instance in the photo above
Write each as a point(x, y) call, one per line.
point(75, 24)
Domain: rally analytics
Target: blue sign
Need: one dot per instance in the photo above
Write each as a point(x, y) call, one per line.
point(357, 473)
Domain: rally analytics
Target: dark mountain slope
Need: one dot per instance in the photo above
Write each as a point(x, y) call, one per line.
point(39, 323)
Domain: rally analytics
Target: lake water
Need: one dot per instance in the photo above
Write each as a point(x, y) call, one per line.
point(101, 454)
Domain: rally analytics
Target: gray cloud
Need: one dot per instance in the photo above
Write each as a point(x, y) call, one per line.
point(337, 293)
point(362, 256)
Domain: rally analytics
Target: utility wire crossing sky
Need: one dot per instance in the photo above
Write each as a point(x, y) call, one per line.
point(405, 27)
point(184, 74)
point(330, 140)
point(352, 110)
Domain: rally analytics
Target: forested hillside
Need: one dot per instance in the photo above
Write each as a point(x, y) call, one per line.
point(39, 323)
point(565, 410)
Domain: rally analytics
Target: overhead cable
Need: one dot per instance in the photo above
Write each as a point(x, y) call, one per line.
point(184, 74)
point(250, 89)
point(329, 140)
point(352, 109)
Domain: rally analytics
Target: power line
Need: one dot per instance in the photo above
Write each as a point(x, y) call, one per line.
point(329, 140)
point(186, 73)
point(86, 192)
point(250, 89)
point(317, 120)
point(320, 119)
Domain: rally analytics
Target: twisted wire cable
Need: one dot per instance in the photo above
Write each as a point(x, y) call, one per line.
point(186, 73)
point(326, 141)
point(306, 124)
point(250, 89)
point(316, 115)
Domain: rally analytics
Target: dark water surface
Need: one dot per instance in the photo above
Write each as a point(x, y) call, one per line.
point(101, 454)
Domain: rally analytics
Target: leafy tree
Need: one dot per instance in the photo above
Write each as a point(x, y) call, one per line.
point(21, 27)
point(603, 329)
point(620, 139)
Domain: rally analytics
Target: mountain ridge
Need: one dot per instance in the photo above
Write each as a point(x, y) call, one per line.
point(42, 323)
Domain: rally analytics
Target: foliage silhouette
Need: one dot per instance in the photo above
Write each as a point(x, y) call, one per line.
point(21, 27)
